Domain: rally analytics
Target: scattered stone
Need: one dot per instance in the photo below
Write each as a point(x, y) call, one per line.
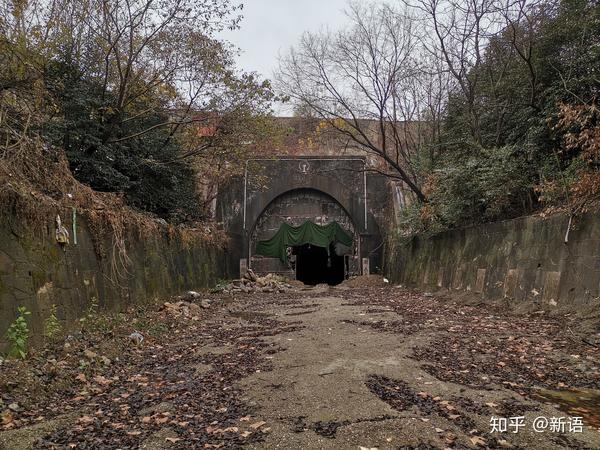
point(250, 283)
point(328, 429)
point(136, 337)
point(205, 303)
point(182, 308)
point(191, 295)
point(250, 275)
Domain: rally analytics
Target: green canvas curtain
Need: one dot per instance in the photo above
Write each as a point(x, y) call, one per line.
point(307, 233)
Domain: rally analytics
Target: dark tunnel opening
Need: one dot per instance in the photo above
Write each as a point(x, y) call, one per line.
point(316, 265)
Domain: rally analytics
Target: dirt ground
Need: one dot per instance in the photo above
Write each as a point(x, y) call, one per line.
point(323, 368)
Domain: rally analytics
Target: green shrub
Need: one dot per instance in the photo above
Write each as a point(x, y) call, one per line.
point(91, 313)
point(18, 334)
point(52, 327)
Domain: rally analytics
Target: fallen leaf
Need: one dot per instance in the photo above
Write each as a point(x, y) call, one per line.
point(257, 425)
point(81, 377)
point(102, 381)
point(477, 440)
point(7, 417)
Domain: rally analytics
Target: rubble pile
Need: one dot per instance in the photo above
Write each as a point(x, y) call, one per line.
point(182, 308)
point(250, 282)
point(189, 305)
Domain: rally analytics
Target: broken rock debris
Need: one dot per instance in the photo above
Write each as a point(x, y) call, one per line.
point(250, 282)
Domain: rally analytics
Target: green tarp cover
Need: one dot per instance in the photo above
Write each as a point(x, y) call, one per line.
point(307, 233)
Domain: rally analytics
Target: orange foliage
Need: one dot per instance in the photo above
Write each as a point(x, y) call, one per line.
point(581, 127)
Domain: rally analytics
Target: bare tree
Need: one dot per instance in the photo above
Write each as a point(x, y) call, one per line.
point(366, 83)
point(523, 19)
point(140, 48)
point(462, 31)
point(134, 50)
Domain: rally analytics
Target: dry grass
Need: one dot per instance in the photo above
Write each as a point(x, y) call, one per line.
point(37, 185)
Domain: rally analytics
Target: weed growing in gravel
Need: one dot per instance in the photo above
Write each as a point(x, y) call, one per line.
point(18, 334)
point(52, 327)
point(91, 312)
point(220, 286)
point(151, 327)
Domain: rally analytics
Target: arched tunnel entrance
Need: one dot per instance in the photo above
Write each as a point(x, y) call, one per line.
point(328, 262)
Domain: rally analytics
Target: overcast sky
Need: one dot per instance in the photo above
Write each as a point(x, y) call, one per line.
point(271, 27)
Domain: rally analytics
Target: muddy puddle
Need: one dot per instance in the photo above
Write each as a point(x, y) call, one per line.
point(575, 402)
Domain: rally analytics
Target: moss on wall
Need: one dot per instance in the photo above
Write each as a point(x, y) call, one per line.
point(36, 273)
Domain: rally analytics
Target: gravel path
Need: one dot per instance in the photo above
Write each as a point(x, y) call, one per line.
point(324, 368)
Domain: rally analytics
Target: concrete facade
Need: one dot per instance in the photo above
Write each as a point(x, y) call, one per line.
point(294, 189)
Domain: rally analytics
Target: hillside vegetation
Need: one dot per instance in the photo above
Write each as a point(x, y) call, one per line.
point(134, 98)
point(501, 98)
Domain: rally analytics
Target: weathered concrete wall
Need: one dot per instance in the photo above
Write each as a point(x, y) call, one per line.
point(524, 259)
point(36, 273)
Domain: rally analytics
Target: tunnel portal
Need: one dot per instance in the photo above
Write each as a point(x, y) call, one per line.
point(292, 189)
point(308, 263)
